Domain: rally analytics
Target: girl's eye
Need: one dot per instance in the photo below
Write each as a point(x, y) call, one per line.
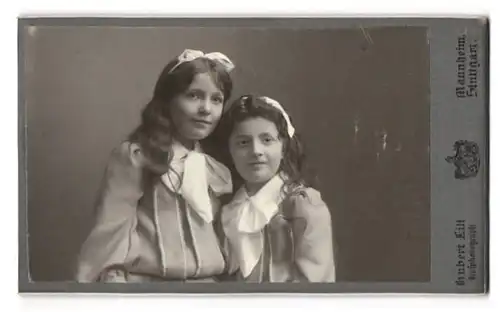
point(218, 100)
point(192, 95)
point(268, 139)
point(242, 142)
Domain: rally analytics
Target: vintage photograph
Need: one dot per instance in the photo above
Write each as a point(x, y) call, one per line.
point(227, 154)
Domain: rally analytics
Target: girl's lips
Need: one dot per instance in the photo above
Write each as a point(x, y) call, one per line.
point(202, 122)
point(257, 163)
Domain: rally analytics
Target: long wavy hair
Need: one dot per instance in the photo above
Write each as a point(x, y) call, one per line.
point(293, 165)
point(155, 132)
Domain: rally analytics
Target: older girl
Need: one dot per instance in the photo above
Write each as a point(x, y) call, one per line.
point(159, 193)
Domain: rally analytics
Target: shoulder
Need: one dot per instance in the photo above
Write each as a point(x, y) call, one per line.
point(306, 196)
point(307, 203)
point(309, 194)
point(127, 153)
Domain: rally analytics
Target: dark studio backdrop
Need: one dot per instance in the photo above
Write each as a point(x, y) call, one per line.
point(359, 98)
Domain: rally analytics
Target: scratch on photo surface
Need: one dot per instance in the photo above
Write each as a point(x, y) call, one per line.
point(356, 129)
point(366, 35)
point(384, 139)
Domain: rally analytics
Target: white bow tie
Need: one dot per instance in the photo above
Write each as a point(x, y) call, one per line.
point(255, 213)
point(245, 217)
point(191, 173)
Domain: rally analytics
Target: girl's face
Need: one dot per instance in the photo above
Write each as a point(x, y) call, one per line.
point(256, 150)
point(196, 112)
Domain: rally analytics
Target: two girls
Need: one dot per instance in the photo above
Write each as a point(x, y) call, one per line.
point(158, 210)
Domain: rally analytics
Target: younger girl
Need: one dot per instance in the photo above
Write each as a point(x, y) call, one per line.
point(159, 193)
point(278, 228)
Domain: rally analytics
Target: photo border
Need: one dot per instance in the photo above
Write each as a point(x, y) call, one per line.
point(451, 119)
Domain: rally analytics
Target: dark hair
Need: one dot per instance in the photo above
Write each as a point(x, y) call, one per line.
point(154, 134)
point(293, 162)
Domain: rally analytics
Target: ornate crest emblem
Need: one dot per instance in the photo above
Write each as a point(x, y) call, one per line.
point(466, 159)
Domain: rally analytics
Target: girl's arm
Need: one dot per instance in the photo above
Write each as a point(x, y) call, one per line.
point(110, 239)
point(313, 241)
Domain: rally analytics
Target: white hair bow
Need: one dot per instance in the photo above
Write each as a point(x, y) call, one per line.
point(189, 55)
point(275, 104)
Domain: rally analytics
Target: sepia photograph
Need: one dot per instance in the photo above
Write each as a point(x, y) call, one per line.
point(228, 154)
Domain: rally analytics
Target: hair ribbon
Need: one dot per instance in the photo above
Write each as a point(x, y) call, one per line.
point(190, 55)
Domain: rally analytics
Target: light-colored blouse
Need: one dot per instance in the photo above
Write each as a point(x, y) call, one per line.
point(156, 227)
point(271, 237)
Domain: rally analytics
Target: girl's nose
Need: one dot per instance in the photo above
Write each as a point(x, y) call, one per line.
point(257, 148)
point(205, 106)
